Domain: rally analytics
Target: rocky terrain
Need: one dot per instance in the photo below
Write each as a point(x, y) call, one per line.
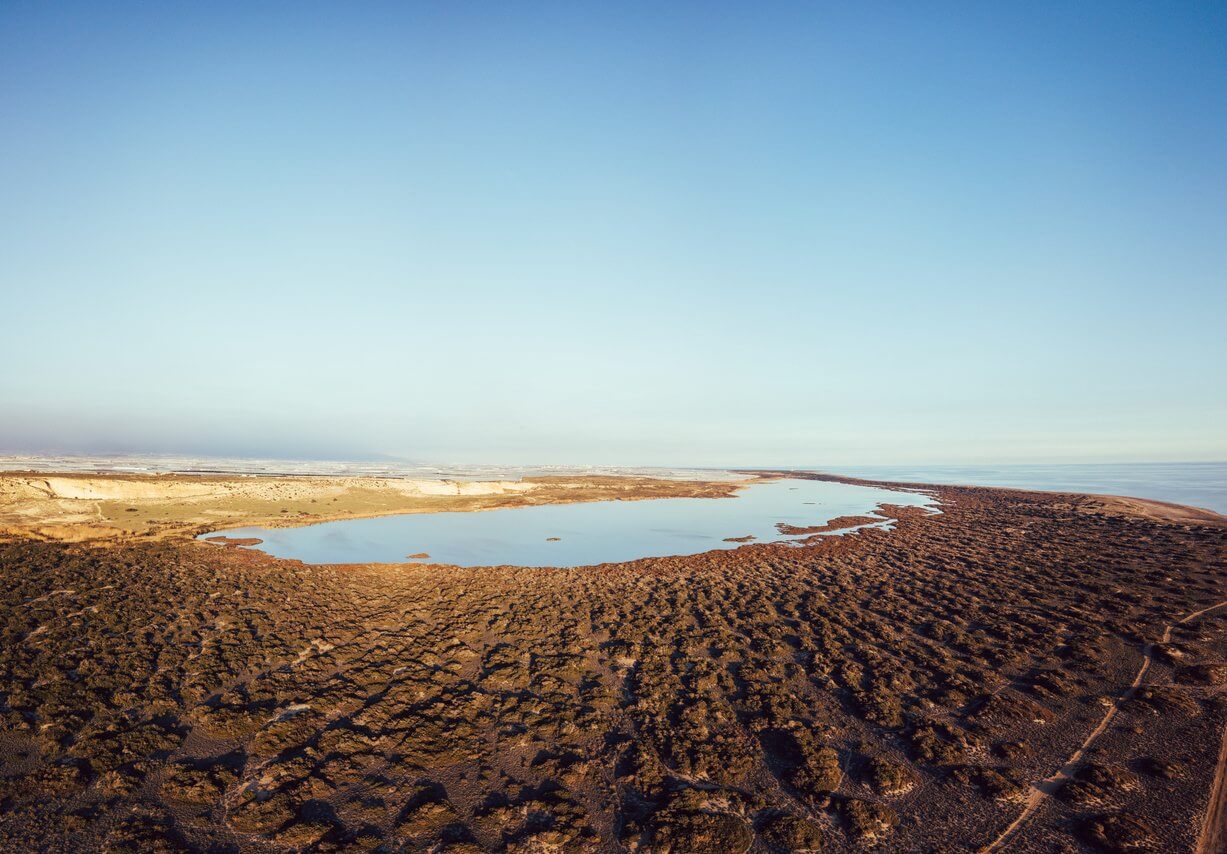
point(1028, 671)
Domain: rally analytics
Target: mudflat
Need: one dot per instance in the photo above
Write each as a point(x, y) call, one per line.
point(1025, 671)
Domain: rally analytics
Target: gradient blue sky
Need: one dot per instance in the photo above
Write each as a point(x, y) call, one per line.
point(691, 234)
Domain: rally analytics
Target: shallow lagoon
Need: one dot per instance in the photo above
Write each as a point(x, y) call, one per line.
point(566, 535)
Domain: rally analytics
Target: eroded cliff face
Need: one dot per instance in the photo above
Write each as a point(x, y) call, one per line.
point(76, 508)
point(902, 690)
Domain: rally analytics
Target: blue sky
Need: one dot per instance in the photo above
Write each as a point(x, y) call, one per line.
point(707, 234)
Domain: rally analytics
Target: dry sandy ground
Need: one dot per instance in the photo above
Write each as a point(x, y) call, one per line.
point(1049, 665)
point(76, 507)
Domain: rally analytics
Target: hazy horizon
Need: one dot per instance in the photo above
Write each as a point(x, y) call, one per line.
point(573, 234)
point(375, 459)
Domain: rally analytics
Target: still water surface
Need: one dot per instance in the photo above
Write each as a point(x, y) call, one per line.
point(587, 534)
point(1195, 484)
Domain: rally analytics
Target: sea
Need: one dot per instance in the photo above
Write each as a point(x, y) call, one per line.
point(1198, 484)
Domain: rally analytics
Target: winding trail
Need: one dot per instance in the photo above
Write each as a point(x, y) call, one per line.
point(1218, 796)
point(1212, 838)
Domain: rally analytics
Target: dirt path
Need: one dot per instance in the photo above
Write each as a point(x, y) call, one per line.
point(1212, 839)
point(1211, 826)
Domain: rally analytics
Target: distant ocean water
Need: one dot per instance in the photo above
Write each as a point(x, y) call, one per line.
point(1194, 484)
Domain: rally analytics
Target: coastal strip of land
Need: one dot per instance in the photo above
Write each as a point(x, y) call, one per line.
point(910, 689)
point(77, 506)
